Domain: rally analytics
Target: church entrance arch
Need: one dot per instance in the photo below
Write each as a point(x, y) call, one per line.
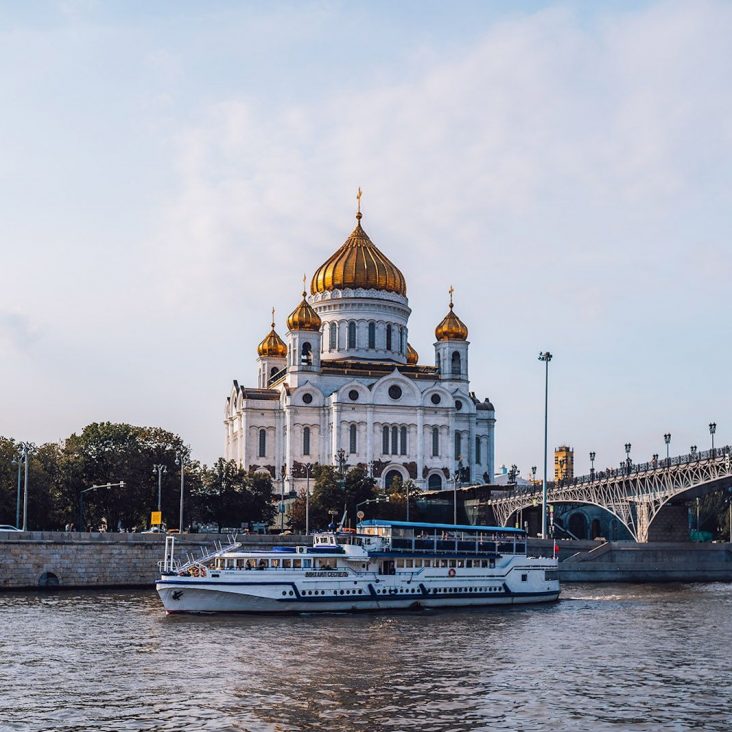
point(434, 482)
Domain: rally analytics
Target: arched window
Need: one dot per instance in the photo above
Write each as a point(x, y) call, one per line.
point(333, 336)
point(388, 337)
point(262, 443)
point(352, 439)
point(351, 335)
point(435, 482)
point(458, 446)
point(306, 356)
point(437, 362)
point(394, 440)
point(403, 441)
point(273, 371)
point(306, 441)
point(372, 335)
point(477, 450)
point(401, 340)
point(456, 370)
point(385, 441)
point(435, 441)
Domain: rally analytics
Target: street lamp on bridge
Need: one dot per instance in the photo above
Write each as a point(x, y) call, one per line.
point(628, 461)
point(545, 357)
point(182, 458)
point(592, 465)
point(667, 440)
point(712, 430)
point(693, 450)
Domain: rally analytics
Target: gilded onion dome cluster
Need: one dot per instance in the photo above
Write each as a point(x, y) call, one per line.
point(303, 317)
point(412, 355)
point(451, 328)
point(272, 346)
point(358, 264)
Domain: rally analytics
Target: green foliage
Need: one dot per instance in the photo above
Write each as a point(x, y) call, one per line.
point(332, 493)
point(108, 453)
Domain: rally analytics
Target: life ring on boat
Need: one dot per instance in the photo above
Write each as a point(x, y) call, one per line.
point(452, 572)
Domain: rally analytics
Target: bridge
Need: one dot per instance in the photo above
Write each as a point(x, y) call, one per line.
point(636, 494)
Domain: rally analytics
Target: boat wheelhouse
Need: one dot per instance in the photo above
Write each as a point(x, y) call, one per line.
point(382, 565)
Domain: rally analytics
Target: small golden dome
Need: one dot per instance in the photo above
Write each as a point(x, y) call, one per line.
point(358, 264)
point(272, 346)
point(451, 328)
point(303, 317)
point(412, 355)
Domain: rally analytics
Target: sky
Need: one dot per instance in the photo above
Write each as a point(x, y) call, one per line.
point(169, 171)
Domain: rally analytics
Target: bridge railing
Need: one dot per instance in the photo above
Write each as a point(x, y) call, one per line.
point(628, 469)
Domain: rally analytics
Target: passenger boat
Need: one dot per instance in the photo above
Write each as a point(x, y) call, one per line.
point(382, 565)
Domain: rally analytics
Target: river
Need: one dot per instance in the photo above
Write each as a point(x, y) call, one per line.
point(605, 657)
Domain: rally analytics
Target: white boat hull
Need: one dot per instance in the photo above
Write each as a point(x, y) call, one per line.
point(214, 595)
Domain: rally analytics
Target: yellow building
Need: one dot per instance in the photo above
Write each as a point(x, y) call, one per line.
point(563, 463)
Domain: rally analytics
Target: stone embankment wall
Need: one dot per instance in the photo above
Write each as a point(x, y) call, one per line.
point(653, 562)
point(37, 558)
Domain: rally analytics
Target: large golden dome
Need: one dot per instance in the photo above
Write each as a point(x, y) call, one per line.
point(303, 317)
point(358, 264)
point(451, 328)
point(272, 345)
point(412, 355)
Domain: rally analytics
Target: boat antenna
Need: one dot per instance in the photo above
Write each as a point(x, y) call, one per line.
point(343, 519)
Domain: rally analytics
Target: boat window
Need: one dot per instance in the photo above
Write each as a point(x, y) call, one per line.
point(307, 563)
point(443, 562)
point(400, 563)
point(468, 563)
point(408, 563)
point(262, 564)
point(460, 563)
point(452, 563)
point(275, 563)
point(286, 563)
point(296, 563)
point(492, 563)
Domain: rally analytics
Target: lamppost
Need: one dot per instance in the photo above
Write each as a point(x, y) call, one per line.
point(26, 449)
point(712, 430)
point(121, 484)
point(654, 458)
point(282, 500)
point(332, 513)
point(455, 481)
point(545, 357)
point(697, 514)
point(533, 474)
point(667, 440)
point(628, 461)
point(592, 465)
point(18, 460)
point(406, 485)
point(182, 458)
point(308, 469)
point(693, 450)
point(159, 468)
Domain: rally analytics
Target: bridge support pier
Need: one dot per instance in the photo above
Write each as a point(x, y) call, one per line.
point(644, 521)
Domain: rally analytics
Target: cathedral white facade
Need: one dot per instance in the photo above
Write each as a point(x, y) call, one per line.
point(348, 379)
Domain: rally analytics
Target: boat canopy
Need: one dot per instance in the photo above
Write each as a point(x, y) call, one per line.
point(440, 527)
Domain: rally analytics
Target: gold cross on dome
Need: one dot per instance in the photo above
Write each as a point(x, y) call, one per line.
point(358, 198)
point(451, 291)
point(273, 317)
point(304, 284)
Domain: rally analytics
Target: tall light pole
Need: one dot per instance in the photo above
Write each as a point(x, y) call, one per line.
point(308, 468)
point(182, 458)
point(18, 460)
point(121, 484)
point(159, 469)
point(27, 448)
point(712, 430)
point(456, 479)
point(693, 450)
point(592, 465)
point(545, 357)
point(628, 461)
point(667, 440)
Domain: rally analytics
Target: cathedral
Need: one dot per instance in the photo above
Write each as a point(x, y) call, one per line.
point(347, 379)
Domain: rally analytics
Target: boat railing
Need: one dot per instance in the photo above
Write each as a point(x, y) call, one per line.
point(171, 564)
